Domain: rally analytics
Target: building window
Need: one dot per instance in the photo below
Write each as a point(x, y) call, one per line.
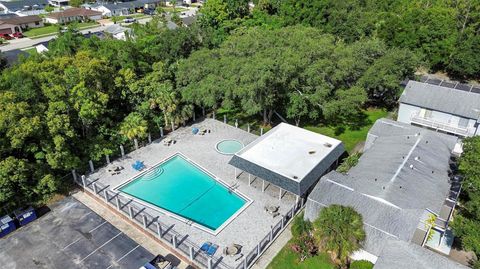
point(37, 23)
point(425, 113)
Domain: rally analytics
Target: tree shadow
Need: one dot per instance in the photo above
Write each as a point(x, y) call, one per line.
point(359, 121)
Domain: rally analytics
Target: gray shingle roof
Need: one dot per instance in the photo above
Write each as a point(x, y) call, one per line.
point(19, 5)
point(400, 255)
point(441, 99)
point(392, 184)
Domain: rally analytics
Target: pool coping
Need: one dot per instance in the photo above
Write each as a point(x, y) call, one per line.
point(248, 200)
point(228, 154)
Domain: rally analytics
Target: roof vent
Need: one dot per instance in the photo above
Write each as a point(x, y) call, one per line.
point(328, 145)
point(295, 177)
point(375, 179)
point(426, 142)
point(383, 187)
point(433, 171)
point(311, 152)
point(417, 158)
point(411, 166)
point(408, 137)
point(400, 187)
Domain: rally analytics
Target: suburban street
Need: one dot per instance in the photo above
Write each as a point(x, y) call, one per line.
point(29, 42)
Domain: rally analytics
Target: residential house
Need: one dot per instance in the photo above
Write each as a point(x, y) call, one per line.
point(118, 32)
point(24, 7)
point(447, 107)
point(18, 24)
point(73, 14)
point(59, 3)
point(402, 188)
point(116, 9)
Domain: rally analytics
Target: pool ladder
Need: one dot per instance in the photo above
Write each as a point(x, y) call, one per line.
point(233, 187)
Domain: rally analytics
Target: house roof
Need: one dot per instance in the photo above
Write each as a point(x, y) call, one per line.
point(442, 98)
point(21, 20)
point(71, 12)
point(116, 29)
point(401, 255)
point(189, 20)
point(403, 172)
point(19, 5)
point(289, 155)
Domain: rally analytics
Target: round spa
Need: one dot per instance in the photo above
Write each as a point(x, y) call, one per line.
point(229, 146)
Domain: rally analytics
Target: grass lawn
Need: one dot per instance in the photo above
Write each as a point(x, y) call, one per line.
point(287, 259)
point(136, 16)
point(51, 29)
point(41, 31)
point(351, 137)
point(172, 9)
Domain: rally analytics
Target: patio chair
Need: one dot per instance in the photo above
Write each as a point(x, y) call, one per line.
point(212, 249)
point(167, 141)
point(195, 130)
point(138, 165)
point(272, 210)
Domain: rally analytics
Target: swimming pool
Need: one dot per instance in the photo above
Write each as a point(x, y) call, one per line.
point(181, 187)
point(229, 146)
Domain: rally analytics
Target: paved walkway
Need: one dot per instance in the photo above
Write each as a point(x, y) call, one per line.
point(127, 229)
point(274, 249)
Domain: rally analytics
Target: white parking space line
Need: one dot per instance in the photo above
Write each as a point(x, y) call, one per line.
point(100, 225)
point(91, 253)
point(97, 227)
point(121, 258)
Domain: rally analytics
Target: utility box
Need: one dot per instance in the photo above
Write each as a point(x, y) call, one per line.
point(6, 226)
point(25, 215)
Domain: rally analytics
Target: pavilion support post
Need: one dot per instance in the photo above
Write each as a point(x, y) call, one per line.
point(263, 185)
point(280, 194)
point(236, 123)
point(122, 150)
point(117, 201)
point(193, 115)
point(248, 127)
point(249, 179)
point(235, 173)
point(84, 181)
point(225, 119)
point(261, 131)
point(297, 198)
point(161, 131)
point(213, 115)
point(245, 265)
point(135, 141)
point(107, 158)
point(94, 185)
point(173, 126)
point(149, 138)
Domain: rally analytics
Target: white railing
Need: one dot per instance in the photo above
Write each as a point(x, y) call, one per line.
point(437, 125)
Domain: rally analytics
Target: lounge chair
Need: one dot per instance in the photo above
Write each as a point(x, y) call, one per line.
point(205, 246)
point(195, 130)
point(167, 141)
point(212, 249)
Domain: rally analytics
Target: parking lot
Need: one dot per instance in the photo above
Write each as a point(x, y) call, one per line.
point(71, 236)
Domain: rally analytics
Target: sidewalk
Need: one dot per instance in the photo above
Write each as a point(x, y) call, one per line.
point(274, 249)
point(146, 242)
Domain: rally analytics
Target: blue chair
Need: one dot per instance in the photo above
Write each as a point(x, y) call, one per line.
point(138, 165)
point(212, 249)
point(205, 246)
point(195, 130)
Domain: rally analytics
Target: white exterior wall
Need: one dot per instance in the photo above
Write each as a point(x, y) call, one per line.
point(51, 20)
point(406, 112)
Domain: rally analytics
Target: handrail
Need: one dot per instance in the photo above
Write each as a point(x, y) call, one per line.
point(438, 125)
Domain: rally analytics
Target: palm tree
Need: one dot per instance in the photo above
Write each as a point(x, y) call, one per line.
point(134, 126)
point(339, 231)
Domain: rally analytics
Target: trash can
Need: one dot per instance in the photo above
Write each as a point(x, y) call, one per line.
point(25, 215)
point(6, 226)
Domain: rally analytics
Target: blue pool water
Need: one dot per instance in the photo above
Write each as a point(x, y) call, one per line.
point(229, 146)
point(182, 188)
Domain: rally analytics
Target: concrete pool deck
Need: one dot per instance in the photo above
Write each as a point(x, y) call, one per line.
point(246, 229)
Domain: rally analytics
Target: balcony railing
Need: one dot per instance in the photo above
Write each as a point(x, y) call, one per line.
point(440, 126)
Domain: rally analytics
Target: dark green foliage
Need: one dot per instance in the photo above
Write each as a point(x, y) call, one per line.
point(348, 163)
point(361, 264)
point(301, 226)
point(467, 221)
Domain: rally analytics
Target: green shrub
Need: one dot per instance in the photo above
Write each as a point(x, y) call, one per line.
point(348, 163)
point(361, 264)
point(300, 226)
